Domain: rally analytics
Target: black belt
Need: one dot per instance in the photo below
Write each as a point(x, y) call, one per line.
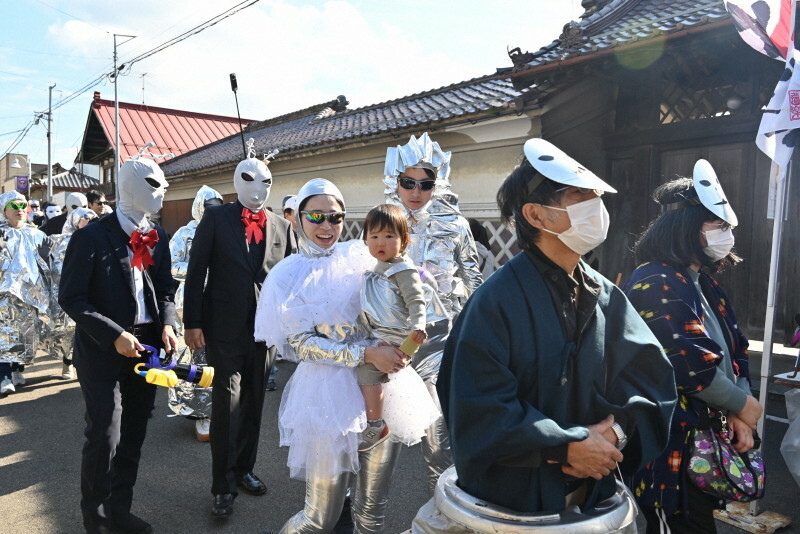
point(142, 329)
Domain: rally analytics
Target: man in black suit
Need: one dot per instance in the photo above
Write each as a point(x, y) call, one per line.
point(234, 248)
point(116, 285)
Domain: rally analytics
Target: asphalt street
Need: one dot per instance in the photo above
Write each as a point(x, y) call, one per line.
point(41, 434)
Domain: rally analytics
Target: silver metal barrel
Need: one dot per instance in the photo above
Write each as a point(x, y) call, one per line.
point(454, 511)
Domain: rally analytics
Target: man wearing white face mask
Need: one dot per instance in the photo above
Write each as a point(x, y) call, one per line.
point(117, 287)
point(549, 375)
point(235, 246)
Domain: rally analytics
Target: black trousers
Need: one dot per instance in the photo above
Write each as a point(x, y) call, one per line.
point(240, 375)
point(700, 519)
point(117, 410)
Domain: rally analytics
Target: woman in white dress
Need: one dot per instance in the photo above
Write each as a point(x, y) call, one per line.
point(309, 309)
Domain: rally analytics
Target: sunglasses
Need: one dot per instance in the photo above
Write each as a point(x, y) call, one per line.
point(410, 184)
point(101, 202)
point(317, 217)
point(17, 205)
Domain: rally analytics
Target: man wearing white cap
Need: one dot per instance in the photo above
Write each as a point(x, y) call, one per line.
point(549, 377)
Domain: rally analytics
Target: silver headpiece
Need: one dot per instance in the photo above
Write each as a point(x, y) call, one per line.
point(5, 198)
point(316, 186)
point(417, 153)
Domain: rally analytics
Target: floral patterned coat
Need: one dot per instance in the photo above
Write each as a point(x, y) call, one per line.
point(668, 301)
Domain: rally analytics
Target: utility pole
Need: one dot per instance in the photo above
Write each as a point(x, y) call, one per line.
point(117, 161)
point(49, 164)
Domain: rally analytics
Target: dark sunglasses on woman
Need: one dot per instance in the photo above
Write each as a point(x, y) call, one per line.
point(410, 184)
point(317, 217)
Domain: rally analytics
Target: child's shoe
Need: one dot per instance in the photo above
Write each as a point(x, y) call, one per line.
point(373, 435)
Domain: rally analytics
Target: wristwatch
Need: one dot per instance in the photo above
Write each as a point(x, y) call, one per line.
point(622, 439)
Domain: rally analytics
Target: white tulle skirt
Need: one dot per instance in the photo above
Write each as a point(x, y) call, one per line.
point(407, 407)
point(321, 419)
point(322, 416)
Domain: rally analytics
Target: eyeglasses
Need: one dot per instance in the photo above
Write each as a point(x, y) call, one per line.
point(410, 184)
point(582, 190)
point(723, 226)
point(317, 217)
point(89, 216)
point(101, 202)
point(17, 204)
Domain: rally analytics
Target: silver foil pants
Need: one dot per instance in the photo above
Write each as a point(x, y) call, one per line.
point(436, 444)
point(325, 497)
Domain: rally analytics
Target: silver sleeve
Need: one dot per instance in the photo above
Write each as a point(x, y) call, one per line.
point(319, 347)
point(468, 262)
point(179, 253)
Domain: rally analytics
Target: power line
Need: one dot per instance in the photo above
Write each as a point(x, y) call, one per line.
point(163, 46)
point(9, 133)
point(18, 139)
point(194, 31)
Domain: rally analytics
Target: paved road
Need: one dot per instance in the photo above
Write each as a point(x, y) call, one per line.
point(41, 436)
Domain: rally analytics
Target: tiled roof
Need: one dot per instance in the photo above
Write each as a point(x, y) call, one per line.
point(320, 126)
point(614, 23)
point(171, 130)
point(71, 179)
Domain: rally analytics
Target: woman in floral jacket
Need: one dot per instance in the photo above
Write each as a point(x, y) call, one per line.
point(693, 319)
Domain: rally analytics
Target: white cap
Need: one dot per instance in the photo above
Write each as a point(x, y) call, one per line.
point(554, 164)
point(710, 192)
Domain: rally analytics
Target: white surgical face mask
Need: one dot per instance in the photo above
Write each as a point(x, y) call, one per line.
point(719, 243)
point(589, 225)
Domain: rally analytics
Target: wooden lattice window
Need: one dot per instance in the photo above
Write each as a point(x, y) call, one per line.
point(680, 103)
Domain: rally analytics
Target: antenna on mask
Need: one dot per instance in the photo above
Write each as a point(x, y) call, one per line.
point(145, 151)
point(234, 88)
point(269, 156)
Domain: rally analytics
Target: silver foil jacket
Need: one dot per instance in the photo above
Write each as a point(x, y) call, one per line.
point(340, 344)
point(385, 309)
point(58, 340)
point(188, 399)
point(24, 293)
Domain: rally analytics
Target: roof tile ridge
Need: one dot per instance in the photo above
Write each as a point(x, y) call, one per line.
point(607, 15)
point(421, 94)
point(98, 102)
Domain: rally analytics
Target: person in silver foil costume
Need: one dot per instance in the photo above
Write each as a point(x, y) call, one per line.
point(309, 308)
point(416, 178)
point(59, 340)
point(188, 399)
point(24, 290)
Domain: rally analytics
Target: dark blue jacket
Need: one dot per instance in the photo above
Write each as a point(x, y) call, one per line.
point(504, 396)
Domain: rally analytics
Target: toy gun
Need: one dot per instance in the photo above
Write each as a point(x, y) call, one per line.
point(168, 376)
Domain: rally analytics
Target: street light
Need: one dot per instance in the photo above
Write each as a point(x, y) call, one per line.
point(15, 165)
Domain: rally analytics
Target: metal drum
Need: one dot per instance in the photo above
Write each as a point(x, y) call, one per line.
point(454, 511)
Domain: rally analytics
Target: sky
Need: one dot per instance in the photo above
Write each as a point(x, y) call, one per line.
point(287, 55)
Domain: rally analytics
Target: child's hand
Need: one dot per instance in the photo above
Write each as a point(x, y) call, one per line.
point(419, 336)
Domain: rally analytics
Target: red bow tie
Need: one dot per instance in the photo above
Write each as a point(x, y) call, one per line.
point(141, 245)
point(253, 224)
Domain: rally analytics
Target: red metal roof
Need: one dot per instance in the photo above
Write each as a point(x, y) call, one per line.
point(171, 130)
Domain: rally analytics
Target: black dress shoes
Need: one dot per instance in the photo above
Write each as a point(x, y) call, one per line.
point(223, 505)
point(129, 524)
point(251, 484)
point(95, 525)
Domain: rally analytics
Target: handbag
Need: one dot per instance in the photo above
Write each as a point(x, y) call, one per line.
point(718, 469)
